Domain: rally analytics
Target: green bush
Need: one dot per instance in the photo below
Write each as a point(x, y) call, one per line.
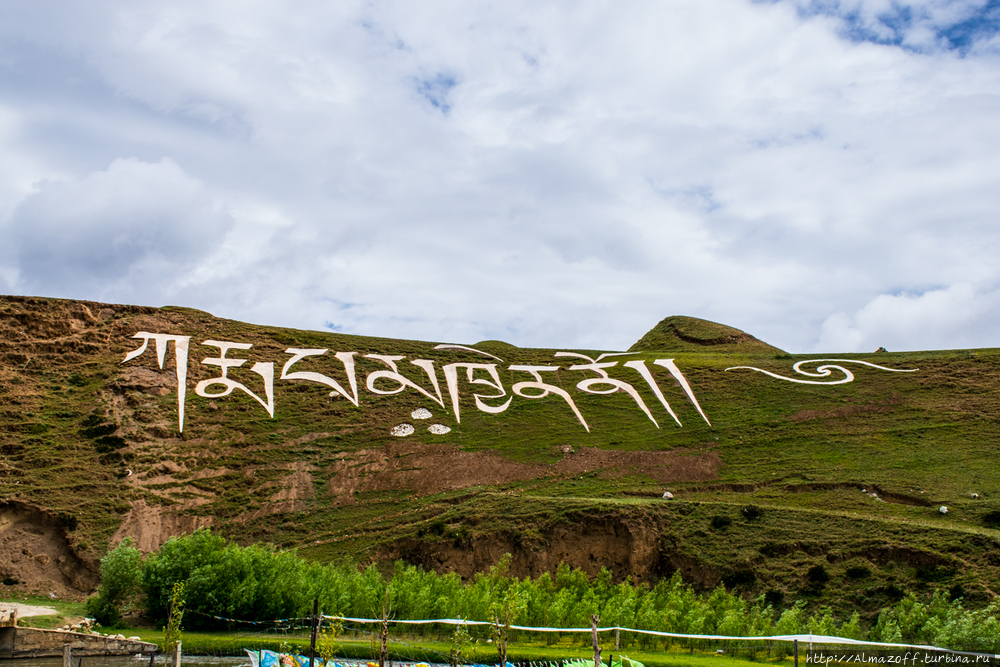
point(121, 574)
point(818, 574)
point(177, 560)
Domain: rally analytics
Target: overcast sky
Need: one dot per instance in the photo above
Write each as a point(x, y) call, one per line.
point(823, 174)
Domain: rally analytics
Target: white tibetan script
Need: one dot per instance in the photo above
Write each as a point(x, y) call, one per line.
point(389, 380)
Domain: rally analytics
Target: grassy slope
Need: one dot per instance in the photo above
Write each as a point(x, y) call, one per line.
point(802, 453)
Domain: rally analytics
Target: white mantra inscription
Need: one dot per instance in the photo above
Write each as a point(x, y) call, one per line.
point(824, 371)
point(389, 380)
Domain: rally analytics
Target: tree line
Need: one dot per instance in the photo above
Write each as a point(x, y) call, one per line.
point(259, 583)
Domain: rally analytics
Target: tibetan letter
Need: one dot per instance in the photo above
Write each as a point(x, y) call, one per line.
point(545, 388)
point(346, 358)
point(394, 375)
point(669, 364)
point(180, 357)
point(451, 378)
point(604, 379)
point(264, 370)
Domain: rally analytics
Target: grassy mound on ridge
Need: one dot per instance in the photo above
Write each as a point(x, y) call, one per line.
point(689, 334)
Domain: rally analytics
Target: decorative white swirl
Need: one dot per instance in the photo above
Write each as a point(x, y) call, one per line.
point(825, 370)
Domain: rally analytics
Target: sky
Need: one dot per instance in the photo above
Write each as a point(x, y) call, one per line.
point(822, 174)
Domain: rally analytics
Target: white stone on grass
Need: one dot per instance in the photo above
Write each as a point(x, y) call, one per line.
point(421, 413)
point(438, 429)
point(402, 430)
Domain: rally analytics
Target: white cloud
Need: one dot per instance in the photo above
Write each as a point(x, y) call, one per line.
point(953, 317)
point(112, 230)
point(554, 175)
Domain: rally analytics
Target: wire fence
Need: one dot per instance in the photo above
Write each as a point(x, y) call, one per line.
point(405, 646)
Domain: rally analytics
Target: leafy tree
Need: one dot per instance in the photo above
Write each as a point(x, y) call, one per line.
point(368, 591)
point(121, 574)
point(851, 629)
point(172, 632)
point(507, 605)
point(733, 621)
point(561, 609)
point(459, 640)
point(504, 613)
point(972, 630)
point(886, 629)
point(385, 615)
point(823, 625)
point(791, 622)
point(622, 605)
point(176, 561)
point(760, 618)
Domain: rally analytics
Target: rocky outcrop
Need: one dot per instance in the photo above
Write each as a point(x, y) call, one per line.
point(35, 552)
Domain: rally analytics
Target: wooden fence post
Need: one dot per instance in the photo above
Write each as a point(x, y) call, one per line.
point(314, 622)
point(594, 619)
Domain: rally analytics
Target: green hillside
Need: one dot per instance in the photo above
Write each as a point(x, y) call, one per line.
point(825, 492)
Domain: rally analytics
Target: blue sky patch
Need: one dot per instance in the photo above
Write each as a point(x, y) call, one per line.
point(895, 26)
point(436, 89)
point(982, 26)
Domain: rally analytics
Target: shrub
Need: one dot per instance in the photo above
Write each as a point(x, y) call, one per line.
point(739, 578)
point(817, 574)
point(720, 522)
point(121, 573)
point(857, 572)
point(774, 597)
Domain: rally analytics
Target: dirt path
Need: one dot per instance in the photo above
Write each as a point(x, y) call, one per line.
point(25, 610)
